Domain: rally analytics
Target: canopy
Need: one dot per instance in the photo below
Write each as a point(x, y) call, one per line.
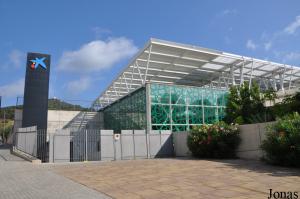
point(173, 63)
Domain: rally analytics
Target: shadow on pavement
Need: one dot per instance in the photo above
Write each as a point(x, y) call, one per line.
point(253, 166)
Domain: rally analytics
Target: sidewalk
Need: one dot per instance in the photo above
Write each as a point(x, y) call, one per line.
point(22, 180)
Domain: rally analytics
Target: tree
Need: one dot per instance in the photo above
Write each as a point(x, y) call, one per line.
point(244, 104)
point(5, 129)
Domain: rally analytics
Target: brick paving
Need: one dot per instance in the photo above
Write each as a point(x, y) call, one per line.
point(182, 178)
point(22, 180)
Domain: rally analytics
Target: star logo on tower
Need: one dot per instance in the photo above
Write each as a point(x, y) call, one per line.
point(38, 62)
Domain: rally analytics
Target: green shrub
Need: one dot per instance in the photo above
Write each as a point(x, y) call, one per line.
point(289, 105)
point(214, 141)
point(282, 145)
point(245, 104)
point(4, 132)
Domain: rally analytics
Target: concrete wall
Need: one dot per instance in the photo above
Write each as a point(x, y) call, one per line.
point(26, 140)
point(252, 136)
point(59, 146)
point(95, 145)
point(58, 119)
point(180, 144)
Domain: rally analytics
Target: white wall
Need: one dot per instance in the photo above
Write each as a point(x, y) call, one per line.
point(59, 119)
point(180, 144)
point(251, 135)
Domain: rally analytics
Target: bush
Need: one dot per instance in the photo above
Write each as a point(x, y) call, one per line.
point(282, 145)
point(245, 104)
point(4, 132)
point(214, 141)
point(289, 105)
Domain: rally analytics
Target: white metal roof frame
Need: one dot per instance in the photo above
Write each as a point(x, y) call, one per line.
point(173, 63)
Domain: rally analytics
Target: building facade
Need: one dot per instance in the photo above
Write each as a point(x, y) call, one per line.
point(173, 86)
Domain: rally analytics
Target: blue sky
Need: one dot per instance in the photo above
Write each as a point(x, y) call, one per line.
point(91, 41)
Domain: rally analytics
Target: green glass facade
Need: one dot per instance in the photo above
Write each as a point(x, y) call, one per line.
point(172, 107)
point(178, 108)
point(127, 113)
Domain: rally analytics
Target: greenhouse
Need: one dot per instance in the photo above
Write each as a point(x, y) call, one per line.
point(175, 108)
point(172, 86)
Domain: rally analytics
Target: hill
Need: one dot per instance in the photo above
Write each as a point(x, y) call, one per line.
point(53, 104)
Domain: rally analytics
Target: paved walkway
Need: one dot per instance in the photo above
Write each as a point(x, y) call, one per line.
point(175, 178)
point(5, 154)
point(152, 179)
point(22, 180)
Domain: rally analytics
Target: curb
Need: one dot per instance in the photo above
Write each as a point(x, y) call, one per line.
point(25, 156)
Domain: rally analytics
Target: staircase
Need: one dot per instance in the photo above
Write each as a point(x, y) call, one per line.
point(82, 121)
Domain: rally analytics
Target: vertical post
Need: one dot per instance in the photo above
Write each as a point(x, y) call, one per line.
point(290, 82)
point(282, 77)
point(51, 140)
point(274, 82)
point(147, 144)
point(148, 108)
point(86, 158)
point(232, 75)
point(187, 121)
point(250, 81)
point(114, 144)
point(133, 145)
point(242, 73)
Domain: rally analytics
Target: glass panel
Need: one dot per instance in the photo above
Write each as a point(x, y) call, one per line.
point(160, 94)
point(195, 115)
point(221, 113)
point(186, 105)
point(178, 95)
point(179, 115)
point(194, 96)
point(127, 113)
point(210, 114)
point(160, 114)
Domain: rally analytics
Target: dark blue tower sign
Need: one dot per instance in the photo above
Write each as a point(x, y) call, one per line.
point(35, 106)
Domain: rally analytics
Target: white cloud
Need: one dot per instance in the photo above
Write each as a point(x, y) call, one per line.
point(97, 55)
point(292, 27)
point(78, 86)
point(228, 12)
point(268, 45)
point(251, 45)
point(13, 90)
point(16, 57)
